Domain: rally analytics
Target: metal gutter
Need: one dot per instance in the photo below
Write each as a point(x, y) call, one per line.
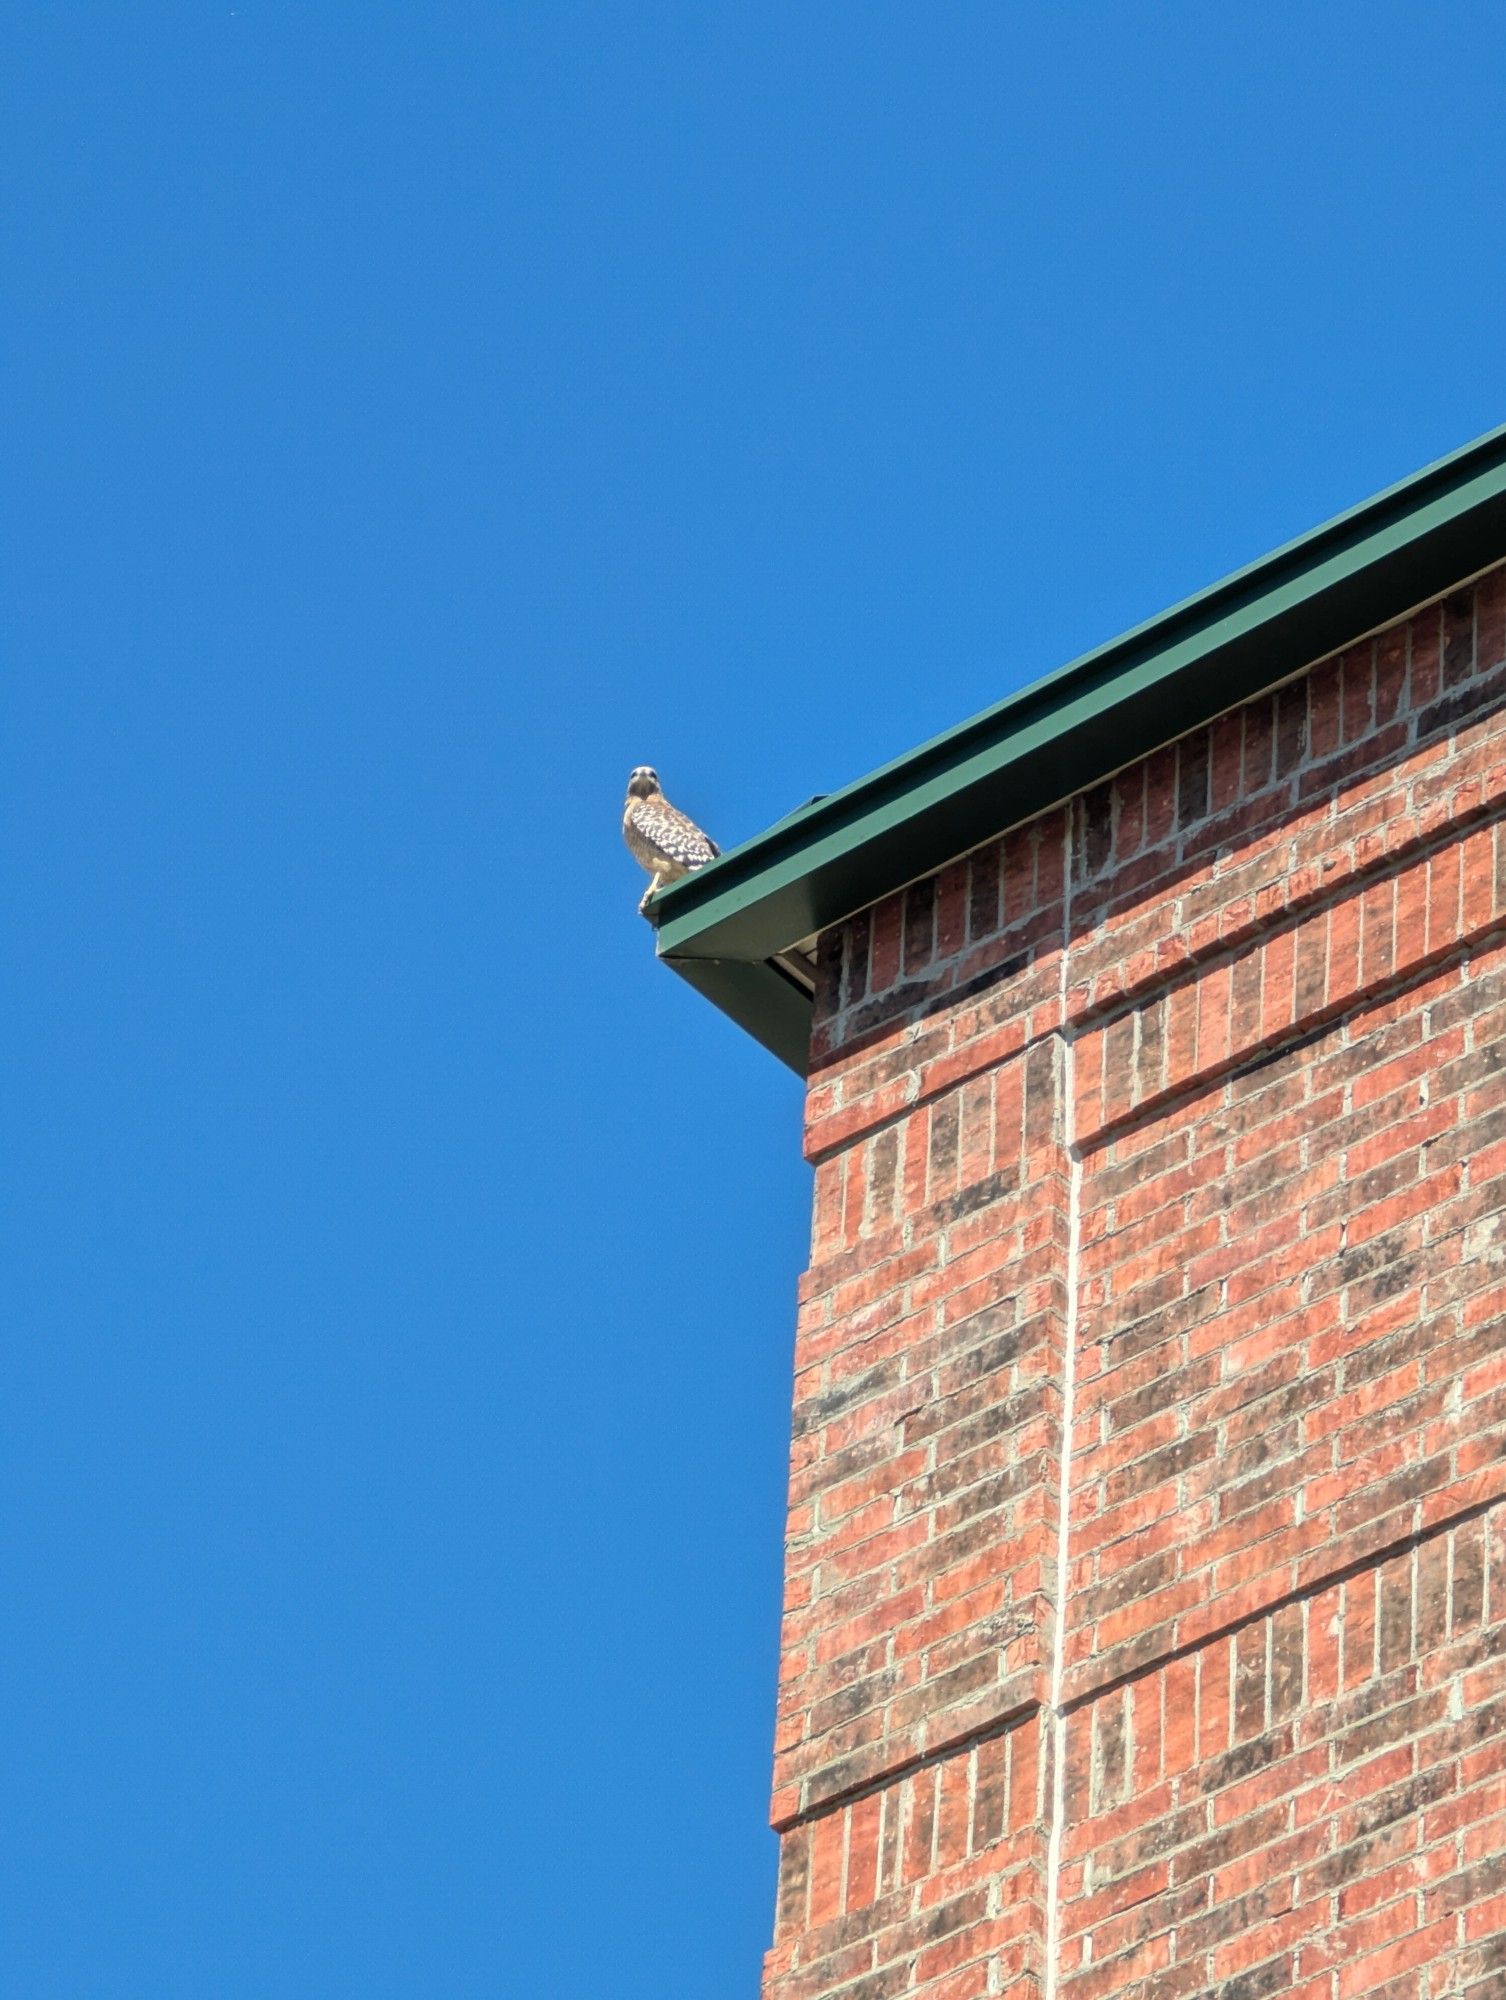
point(720, 927)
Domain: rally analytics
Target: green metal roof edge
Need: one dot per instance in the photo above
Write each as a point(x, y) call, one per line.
point(1068, 730)
point(759, 998)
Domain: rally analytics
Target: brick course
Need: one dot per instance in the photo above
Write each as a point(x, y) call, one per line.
point(1145, 1624)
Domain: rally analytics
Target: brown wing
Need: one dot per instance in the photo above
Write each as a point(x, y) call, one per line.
point(657, 832)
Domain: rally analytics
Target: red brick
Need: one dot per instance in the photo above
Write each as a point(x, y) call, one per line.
point(1246, 1150)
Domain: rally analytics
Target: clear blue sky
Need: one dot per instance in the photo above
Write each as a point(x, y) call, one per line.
point(413, 417)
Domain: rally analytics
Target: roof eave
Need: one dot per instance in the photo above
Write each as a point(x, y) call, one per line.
point(760, 999)
point(1069, 731)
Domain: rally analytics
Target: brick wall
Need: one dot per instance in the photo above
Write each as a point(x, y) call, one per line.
point(1145, 1627)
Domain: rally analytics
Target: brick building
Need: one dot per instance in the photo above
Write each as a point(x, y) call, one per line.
point(1145, 1622)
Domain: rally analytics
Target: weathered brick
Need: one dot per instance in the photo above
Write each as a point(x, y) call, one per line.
point(1244, 1153)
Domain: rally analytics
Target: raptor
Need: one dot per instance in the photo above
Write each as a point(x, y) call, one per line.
point(660, 837)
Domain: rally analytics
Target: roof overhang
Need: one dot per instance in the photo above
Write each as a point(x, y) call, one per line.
point(740, 929)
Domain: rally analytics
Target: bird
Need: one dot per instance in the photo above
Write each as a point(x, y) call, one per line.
point(660, 838)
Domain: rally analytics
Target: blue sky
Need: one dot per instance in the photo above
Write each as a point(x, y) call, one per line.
point(414, 417)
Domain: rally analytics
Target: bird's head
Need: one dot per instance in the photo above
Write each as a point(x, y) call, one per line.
point(643, 783)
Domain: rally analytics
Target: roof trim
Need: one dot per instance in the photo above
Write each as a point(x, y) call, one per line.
point(841, 853)
point(760, 998)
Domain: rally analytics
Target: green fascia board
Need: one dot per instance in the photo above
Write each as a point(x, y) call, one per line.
point(760, 998)
point(1073, 728)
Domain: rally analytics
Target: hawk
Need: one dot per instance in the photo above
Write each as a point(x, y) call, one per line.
point(661, 839)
